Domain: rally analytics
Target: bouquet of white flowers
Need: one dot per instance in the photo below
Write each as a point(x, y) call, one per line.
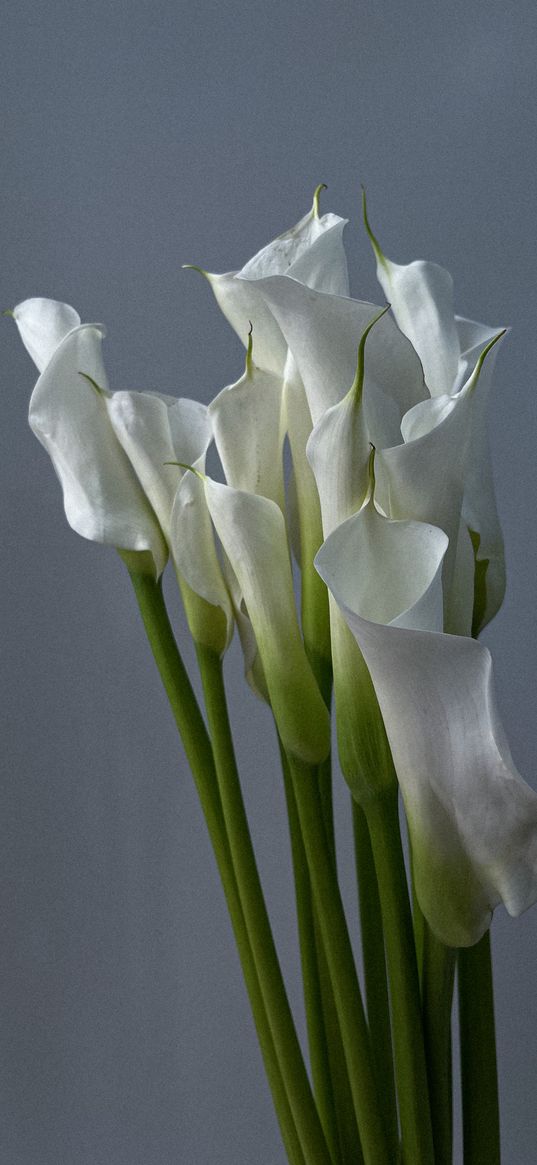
point(380, 411)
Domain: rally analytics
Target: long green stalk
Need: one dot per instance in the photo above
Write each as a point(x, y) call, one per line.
point(200, 757)
point(410, 1065)
point(311, 975)
point(438, 973)
point(375, 978)
point(479, 1075)
point(341, 965)
point(326, 1025)
point(288, 1051)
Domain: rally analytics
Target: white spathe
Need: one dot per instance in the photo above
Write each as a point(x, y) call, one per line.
point(472, 819)
point(323, 332)
point(103, 499)
point(311, 252)
point(248, 427)
point(43, 324)
point(421, 294)
point(252, 532)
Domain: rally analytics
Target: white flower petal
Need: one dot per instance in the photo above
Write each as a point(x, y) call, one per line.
point(252, 532)
point(472, 820)
point(304, 515)
point(361, 564)
point(323, 332)
point(243, 305)
point(248, 431)
point(387, 571)
point(153, 430)
point(43, 324)
point(473, 337)
point(479, 503)
point(253, 667)
point(103, 499)
point(193, 548)
point(426, 477)
point(338, 452)
point(312, 251)
point(421, 295)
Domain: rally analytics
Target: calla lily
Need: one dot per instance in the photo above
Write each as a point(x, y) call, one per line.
point(103, 498)
point(449, 346)
point(112, 452)
point(472, 819)
point(311, 252)
point(425, 477)
point(323, 332)
point(439, 467)
point(43, 324)
point(340, 456)
point(253, 534)
point(248, 427)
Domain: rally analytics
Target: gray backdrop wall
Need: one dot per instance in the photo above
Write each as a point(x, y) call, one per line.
point(139, 136)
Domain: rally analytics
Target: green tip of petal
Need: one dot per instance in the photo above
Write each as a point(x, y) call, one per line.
point(372, 238)
point(100, 391)
point(483, 356)
point(249, 358)
point(358, 385)
point(9, 312)
point(193, 267)
point(316, 197)
point(190, 468)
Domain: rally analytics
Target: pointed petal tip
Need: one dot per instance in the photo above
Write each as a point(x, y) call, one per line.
point(90, 380)
point(316, 196)
point(358, 383)
point(249, 362)
point(187, 468)
point(371, 236)
point(194, 267)
point(8, 311)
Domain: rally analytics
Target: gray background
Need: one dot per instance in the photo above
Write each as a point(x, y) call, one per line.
point(137, 137)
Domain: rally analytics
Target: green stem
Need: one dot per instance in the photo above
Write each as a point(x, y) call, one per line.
point(437, 998)
point(322, 671)
point(340, 960)
point(349, 1139)
point(375, 977)
point(286, 1043)
point(200, 757)
point(479, 1077)
point(311, 978)
point(410, 1067)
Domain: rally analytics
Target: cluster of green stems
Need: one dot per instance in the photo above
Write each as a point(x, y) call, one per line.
point(378, 1089)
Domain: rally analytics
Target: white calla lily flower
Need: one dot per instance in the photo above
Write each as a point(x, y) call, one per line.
point(449, 347)
point(421, 295)
point(311, 252)
point(68, 413)
point(472, 819)
point(116, 455)
point(323, 332)
point(43, 324)
point(425, 476)
point(253, 534)
point(248, 427)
